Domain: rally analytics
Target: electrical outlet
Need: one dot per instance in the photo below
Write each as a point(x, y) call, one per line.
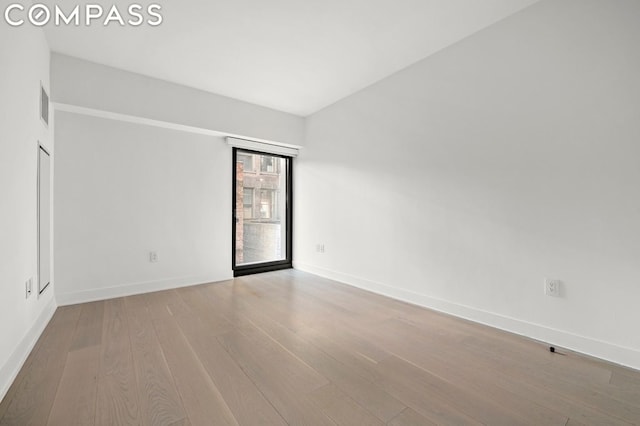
point(28, 287)
point(153, 256)
point(552, 287)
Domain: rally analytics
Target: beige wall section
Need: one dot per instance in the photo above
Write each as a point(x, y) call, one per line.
point(463, 181)
point(24, 65)
point(90, 85)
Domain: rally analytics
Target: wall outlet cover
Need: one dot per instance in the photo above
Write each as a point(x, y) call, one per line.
point(28, 287)
point(552, 287)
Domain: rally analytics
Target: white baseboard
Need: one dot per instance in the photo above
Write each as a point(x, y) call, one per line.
point(604, 350)
point(9, 371)
point(105, 293)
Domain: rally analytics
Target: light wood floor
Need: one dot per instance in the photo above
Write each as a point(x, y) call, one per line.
point(291, 348)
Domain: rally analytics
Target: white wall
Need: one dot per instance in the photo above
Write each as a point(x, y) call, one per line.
point(90, 85)
point(463, 181)
point(24, 63)
point(123, 190)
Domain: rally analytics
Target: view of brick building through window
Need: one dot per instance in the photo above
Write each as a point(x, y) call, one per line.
point(260, 208)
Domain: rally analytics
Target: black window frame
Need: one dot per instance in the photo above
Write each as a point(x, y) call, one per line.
point(287, 262)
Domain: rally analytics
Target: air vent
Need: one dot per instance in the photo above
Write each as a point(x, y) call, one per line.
point(44, 105)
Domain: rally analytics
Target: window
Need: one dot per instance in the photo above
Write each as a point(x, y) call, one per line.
point(247, 202)
point(268, 204)
point(268, 164)
point(262, 212)
point(247, 161)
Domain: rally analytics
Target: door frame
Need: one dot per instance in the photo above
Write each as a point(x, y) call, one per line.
point(287, 262)
point(41, 287)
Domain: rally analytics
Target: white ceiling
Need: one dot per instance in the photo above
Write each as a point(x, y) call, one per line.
point(296, 56)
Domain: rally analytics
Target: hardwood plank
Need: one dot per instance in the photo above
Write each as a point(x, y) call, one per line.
point(433, 398)
point(410, 417)
point(201, 398)
point(297, 373)
point(75, 402)
point(244, 399)
point(541, 366)
point(572, 422)
point(214, 322)
point(428, 404)
point(559, 392)
point(365, 392)
point(510, 378)
point(32, 401)
point(89, 329)
point(557, 401)
point(357, 354)
point(117, 400)
point(289, 347)
point(536, 361)
point(319, 322)
point(602, 401)
point(159, 402)
point(437, 364)
point(284, 392)
point(192, 298)
point(165, 303)
point(342, 409)
point(16, 385)
point(626, 380)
